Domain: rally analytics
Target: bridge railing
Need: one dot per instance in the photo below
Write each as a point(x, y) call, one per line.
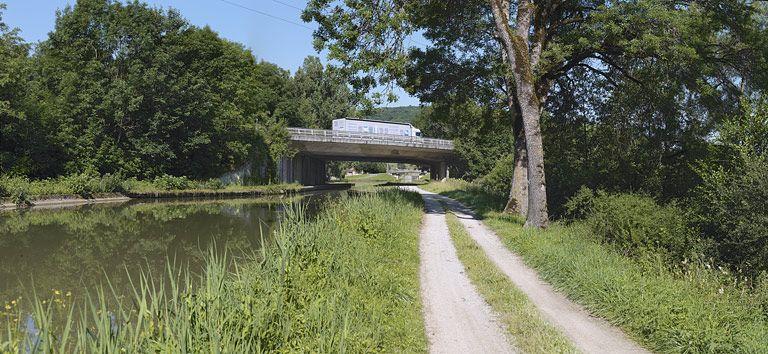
point(306, 134)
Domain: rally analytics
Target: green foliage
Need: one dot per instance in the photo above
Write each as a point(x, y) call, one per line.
point(731, 201)
point(111, 183)
point(23, 138)
point(404, 114)
point(317, 95)
point(84, 185)
point(325, 285)
point(747, 131)
point(482, 134)
point(499, 179)
point(80, 184)
point(16, 189)
point(168, 182)
point(636, 225)
point(214, 183)
point(123, 87)
point(370, 167)
point(366, 38)
point(580, 205)
point(339, 168)
point(761, 291)
point(133, 102)
point(732, 213)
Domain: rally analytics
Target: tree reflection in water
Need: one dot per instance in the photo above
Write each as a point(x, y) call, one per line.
point(66, 250)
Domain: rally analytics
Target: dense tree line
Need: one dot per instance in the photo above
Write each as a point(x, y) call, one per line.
point(661, 101)
point(405, 114)
point(127, 88)
point(621, 94)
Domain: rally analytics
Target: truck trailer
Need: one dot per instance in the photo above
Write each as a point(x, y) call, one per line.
point(375, 127)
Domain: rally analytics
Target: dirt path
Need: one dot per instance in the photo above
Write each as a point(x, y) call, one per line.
point(589, 334)
point(457, 318)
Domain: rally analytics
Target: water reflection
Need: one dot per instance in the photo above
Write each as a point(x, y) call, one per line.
point(67, 250)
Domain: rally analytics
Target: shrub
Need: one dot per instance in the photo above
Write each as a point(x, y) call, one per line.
point(498, 181)
point(82, 184)
point(732, 214)
point(733, 196)
point(168, 182)
point(15, 188)
point(214, 183)
point(4, 192)
point(110, 183)
point(761, 292)
point(636, 225)
point(580, 205)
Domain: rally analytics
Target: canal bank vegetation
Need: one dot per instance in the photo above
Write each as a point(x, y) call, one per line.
point(346, 280)
point(632, 262)
point(22, 191)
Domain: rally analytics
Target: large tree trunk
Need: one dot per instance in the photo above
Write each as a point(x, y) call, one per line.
point(518, 191)
point(517, 202)
point(537, 186)
point(516, 45)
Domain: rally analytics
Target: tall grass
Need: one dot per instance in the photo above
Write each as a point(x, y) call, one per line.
point(692, 308)
point(346, 281)
point(368, 182)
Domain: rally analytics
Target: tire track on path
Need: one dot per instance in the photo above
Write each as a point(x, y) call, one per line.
point(456, 317)
point(588, 333)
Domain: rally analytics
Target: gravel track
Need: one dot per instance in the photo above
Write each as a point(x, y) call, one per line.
point(589, 334)
point(457, 318)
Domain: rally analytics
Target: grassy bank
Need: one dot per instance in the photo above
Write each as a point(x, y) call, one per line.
point(691, 309)
point(20, 190)
point(370, 181)
point(528, 330)
point(346, 281)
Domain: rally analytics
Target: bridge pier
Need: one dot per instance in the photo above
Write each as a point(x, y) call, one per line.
point(306, 170)
point(438, 171)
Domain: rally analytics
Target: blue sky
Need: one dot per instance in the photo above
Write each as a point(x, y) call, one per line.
point(285, 44)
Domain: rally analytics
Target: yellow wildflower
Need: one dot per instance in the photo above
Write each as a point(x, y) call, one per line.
point(57, 292)
point(7, 307)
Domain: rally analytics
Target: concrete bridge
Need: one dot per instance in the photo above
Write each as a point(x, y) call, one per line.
point(317, 146)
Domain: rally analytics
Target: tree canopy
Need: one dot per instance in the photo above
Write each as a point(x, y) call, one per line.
point(128, 88)
point(625, 93)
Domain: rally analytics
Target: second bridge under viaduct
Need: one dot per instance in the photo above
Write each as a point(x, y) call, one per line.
point(317, 146)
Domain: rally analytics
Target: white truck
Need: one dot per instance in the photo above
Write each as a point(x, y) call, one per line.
point(375, 127)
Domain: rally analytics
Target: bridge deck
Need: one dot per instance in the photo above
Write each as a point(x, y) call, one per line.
point(335, 136)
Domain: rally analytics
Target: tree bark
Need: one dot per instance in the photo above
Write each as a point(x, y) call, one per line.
point(517, 47)
point(518, 191)
point(517, 203)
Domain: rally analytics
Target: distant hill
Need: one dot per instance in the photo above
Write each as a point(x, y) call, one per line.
point(404, 114)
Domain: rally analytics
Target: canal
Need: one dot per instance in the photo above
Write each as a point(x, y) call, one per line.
point(58, 253)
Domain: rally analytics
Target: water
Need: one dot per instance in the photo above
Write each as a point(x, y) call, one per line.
point(59, 253)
